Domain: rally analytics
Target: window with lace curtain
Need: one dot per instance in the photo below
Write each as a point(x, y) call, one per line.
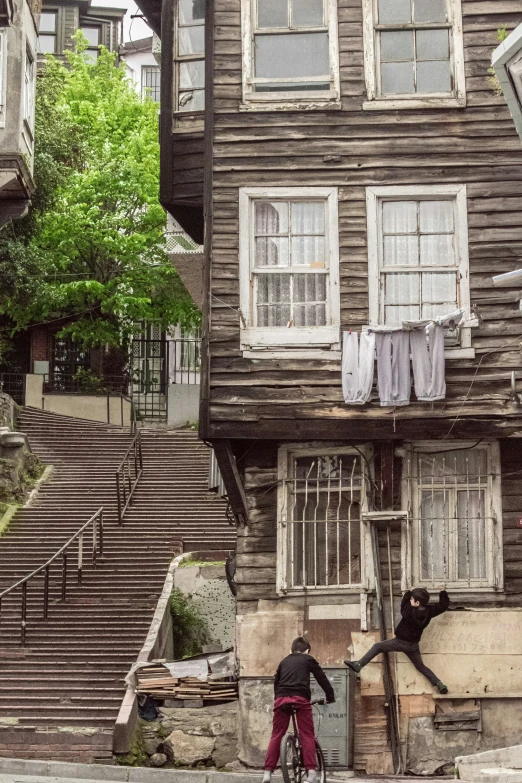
point(418, 265)
point(289, 268)
point(454, 515)
point(321, 499)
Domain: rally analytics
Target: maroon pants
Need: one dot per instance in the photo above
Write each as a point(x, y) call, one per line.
point(305, 723)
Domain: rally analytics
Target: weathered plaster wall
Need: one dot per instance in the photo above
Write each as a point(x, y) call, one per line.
point(207, 587)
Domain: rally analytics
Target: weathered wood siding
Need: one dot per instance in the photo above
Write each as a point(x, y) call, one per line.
point(476, 146)
point(256, 544)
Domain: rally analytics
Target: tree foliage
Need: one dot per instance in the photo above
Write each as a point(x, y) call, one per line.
point(92, 248)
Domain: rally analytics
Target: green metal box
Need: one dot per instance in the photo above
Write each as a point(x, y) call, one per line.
point(334, 722)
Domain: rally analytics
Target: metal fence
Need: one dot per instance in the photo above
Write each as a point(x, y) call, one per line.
point(13, 383)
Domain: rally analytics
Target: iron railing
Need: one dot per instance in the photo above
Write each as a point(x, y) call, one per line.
point(97, 551)
point(128, 475)
point(86, 384)
point(13, 384)
point(184, 361)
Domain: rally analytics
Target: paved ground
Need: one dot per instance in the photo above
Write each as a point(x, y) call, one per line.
point(177, 776)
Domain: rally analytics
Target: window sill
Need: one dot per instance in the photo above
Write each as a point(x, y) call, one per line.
point(414, 103)
point(459, 353)
point(298, 104)
point(323, 590)
point(325, 354)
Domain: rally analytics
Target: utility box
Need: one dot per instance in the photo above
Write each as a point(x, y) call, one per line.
point(334, 722)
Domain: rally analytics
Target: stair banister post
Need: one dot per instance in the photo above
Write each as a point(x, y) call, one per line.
point(46, 593)
point(101, 531)
point(24, 612)
point(94, 540)
point(64, 574)
point(118, 495)
point(80, 557)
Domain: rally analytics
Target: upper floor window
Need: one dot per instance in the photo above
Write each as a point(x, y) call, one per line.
point(189, 54)
point(453, 496)
point(150, 82)
point(414, 53)
point(47, 32)
point(93, 35)
point(289, 267)
point(321, 499)
point(418, 264)
point(29, 88)
point(290, 51)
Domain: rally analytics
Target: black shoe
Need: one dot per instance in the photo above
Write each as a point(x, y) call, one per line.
point(441, 687)
point(353, 665)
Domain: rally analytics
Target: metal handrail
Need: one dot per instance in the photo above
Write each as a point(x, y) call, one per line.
point(97, 549)
point(128, 474)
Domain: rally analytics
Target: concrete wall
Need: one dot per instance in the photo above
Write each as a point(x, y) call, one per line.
point(183, 404)
point(81, 406)
point(208, 589)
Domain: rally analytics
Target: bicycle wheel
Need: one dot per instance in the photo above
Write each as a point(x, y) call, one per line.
point(290, 763)
point(321, 768)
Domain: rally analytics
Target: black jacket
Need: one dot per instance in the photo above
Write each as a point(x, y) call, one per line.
point(293, 677)
point(415, 620)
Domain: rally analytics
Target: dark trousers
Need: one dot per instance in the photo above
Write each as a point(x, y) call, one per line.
point(411, 649)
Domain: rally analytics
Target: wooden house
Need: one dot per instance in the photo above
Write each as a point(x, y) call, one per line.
point(351, 163)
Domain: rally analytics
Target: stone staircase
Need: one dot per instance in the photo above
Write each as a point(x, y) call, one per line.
point(60, 694)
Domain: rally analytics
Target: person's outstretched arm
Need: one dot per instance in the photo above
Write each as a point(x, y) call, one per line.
point(441, 606)
point(405, 603)
point(323, 681)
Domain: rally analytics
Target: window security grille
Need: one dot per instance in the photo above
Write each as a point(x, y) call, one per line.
point(453, 520)
point(150, 82)
point(323, 508)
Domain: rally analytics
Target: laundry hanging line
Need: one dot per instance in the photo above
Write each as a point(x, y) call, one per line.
point(423, 340)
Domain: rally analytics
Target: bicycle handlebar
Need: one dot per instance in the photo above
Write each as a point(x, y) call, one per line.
point(318, 701)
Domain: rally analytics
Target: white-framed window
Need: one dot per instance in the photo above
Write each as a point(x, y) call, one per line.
point(414, 55)
point(150, 82)
point(289, 268)
point(189, 57)
point(93, 35)
point(321, 540)
point(290, 52)
point(48, 32)
point(29, 89)
point(453, 535)
point(418, 260)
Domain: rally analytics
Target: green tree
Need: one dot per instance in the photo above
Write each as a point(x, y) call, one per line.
point(92, 248)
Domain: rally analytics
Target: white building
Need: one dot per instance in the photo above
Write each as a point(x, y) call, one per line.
point(142, 67)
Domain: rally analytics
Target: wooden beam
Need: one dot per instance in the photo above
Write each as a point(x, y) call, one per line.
point(232, 481)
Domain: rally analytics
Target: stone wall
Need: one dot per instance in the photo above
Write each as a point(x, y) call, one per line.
point(8, 410)
point(186, 737)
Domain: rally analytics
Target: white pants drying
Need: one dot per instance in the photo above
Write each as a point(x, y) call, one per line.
point(357, 369)
point(393, 367)
point(427, 358)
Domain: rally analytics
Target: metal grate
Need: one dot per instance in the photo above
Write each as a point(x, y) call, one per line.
point(452, 520)
point(150, 82)
point(324, 497)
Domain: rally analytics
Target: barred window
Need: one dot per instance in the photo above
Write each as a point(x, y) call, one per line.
point(455, 515)
point(323, 496)
point(150, 82)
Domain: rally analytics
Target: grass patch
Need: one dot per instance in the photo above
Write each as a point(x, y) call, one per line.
point(189, 563)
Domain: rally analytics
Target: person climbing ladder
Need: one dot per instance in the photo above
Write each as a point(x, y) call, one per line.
point(417, 613)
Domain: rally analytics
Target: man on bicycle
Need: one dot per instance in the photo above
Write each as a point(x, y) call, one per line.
point(292, 690)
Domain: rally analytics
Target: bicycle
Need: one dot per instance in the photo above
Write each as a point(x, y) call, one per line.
point(291, 756)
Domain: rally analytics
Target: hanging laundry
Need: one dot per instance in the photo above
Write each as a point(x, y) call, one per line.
point(393, 367)
point(427, 358)
point(357, 368)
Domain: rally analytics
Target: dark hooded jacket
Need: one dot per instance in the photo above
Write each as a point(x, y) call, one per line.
point(416, 619)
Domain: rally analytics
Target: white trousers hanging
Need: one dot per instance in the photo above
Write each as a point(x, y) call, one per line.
point(427, 358)
point(393, 367)
point(357, 369)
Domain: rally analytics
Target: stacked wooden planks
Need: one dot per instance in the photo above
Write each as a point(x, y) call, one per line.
point(156, 681)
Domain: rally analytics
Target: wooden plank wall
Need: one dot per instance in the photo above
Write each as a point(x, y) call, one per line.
point(477, 146)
